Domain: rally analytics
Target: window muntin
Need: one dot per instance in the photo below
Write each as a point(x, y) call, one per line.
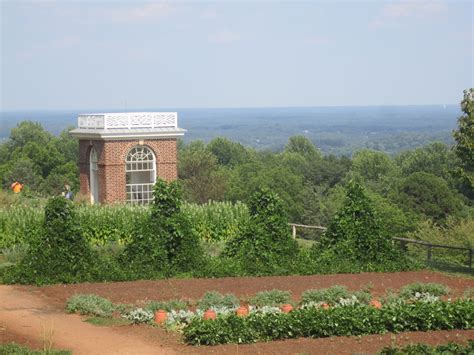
point(140, 175)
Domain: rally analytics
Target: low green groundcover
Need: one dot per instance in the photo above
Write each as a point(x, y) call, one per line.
point(337, 321)
point(422, 349)
point(15, 349)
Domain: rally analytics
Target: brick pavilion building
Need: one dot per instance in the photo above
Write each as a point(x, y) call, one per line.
point(121, 154)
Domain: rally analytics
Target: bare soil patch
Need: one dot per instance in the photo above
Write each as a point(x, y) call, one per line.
point(50, 301)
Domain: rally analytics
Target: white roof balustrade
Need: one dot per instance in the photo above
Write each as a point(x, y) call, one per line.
point(125, 125)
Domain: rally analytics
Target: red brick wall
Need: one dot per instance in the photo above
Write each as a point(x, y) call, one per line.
point(112, 154)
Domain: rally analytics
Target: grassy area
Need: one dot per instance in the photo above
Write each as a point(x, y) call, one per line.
point(15, 349)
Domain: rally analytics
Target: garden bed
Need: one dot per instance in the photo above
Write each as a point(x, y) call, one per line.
point(133, 291)
point(141, 291)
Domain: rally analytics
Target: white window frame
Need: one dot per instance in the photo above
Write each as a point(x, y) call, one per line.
point(139, 159)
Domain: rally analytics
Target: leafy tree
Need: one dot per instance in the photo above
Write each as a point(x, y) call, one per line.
point(26, 132)
point(199, 171)
point(373, 166)
point(428, 195)
point(38, 159)
point(267, 172)
point(266, 245)
point(23, 170)
point(434, 158)
point(330, 170)
point(464, 137)
point(228, 153)
point(303, 146)
point(200, 174)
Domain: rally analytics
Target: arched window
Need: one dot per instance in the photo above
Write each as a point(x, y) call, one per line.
point(140, 175)
point(94, 179)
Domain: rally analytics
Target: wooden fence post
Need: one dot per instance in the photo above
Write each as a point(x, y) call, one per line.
point(294, 231)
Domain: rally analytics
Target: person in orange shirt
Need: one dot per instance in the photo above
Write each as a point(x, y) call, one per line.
point(16, 187)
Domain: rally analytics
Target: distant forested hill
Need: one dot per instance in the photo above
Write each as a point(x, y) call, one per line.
point(336, 130)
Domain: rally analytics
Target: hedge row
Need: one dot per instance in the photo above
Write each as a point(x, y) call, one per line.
point(336, 321)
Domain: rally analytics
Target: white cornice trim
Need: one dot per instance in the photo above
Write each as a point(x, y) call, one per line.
point(127, 136)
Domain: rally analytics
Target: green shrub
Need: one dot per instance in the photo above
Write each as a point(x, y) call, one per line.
point(315, 322)
point(166, 242)
point(92, 305)
point(266, 245)
point(434, 289)
point(455, 232)
point(15, 349)
point(422, 349)
point(270, 298)
point(214, 299)
point(167, 305)
point(59, 253)
point(355, 240)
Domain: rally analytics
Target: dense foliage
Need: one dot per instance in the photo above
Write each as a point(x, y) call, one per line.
point(337, 321)
point(356, 237)
point(265, 245)
point(228, 214)
point(58, 252)
point(39, 160)
point(464, 137)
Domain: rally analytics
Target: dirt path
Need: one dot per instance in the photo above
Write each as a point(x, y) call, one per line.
point(31, 318)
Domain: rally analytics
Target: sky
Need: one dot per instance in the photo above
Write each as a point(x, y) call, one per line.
point(190, 54)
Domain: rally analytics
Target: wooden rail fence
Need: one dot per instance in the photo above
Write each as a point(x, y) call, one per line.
point(294, 226)
point(430, 246)
point(404, 242)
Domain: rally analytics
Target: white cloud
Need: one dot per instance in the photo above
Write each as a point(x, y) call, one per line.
point(223, 37)
point(395, 12)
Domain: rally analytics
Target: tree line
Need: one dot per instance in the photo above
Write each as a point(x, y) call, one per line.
point(434, 182)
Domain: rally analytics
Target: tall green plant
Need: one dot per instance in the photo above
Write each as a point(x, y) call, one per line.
point(59, 253)
point(356, 237)
point(265, 245)
point(166, 242)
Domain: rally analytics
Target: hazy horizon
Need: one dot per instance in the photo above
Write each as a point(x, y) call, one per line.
point(70, 55)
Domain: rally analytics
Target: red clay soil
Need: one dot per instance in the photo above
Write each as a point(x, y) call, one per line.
point(139, 291)
point(29, 309)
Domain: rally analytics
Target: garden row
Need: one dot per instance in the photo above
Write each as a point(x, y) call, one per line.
point(164, 242)
point(271, 315)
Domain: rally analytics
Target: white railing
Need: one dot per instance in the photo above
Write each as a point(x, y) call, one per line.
point(129, 120)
